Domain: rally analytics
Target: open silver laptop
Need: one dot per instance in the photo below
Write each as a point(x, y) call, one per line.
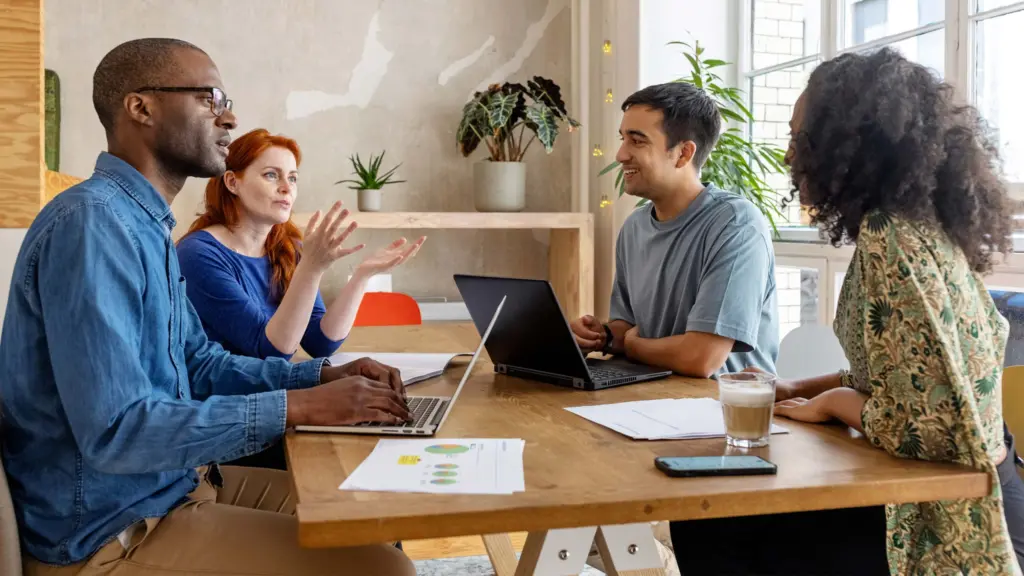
point(428, 412)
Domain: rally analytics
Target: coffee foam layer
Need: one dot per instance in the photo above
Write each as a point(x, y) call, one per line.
point(747, 395)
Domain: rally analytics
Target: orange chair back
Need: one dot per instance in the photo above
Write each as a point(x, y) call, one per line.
point(388, 309)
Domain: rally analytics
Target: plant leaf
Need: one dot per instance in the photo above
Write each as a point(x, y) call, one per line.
point(543, 124)
point(546, 91)
point(367, 176)
point(499, 110)
point(472, 127)
point(615, 164)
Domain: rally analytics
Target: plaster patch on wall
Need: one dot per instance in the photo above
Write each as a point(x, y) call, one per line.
point(366, 78)
point(461, 64)
point(533, 36)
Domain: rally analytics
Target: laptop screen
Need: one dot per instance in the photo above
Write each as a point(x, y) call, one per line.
point(472, 362)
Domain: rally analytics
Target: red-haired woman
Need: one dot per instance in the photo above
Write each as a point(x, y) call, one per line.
point(241, 258)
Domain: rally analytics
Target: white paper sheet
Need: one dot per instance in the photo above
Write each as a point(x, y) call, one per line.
point(668, 419)
point(442, 466)
point(414, 367)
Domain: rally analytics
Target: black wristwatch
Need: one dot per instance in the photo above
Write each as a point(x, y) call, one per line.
point(609, 339)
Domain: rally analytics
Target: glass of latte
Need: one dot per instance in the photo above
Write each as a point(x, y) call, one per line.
point(747, 400)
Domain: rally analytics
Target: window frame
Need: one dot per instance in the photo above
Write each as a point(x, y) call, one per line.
point(803, 245)
point(960, 23)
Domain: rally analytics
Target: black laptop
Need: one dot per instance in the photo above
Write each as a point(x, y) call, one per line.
point(532, 338)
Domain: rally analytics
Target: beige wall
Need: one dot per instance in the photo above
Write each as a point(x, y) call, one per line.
point(347, 76)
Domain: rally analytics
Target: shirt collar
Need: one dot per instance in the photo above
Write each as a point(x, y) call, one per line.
point(137, 186)
point(696, 206)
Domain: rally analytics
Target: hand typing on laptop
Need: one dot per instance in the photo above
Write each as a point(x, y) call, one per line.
point(370, 369)
point(349, 400)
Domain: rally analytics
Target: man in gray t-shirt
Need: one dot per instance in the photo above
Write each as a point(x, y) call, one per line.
point(694, 284)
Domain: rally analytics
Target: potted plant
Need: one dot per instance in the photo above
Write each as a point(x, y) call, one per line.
point(500, 117)
point(369, 181)
point(736, 164)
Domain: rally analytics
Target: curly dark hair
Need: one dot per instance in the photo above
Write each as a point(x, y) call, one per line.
point(882, 133)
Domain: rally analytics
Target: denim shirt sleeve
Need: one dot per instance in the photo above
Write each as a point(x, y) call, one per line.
point(214, 371)
point(91, 301)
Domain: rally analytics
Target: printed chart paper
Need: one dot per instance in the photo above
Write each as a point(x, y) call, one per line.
point(668, 419)
point(442, 466)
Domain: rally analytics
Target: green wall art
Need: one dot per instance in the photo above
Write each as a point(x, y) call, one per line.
point(51, 136)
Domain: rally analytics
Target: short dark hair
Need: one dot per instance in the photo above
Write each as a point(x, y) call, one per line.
point(130, 66)
point(689, 114)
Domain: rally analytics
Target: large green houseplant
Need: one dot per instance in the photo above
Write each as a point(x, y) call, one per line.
point(737, 164)
point(508, 118)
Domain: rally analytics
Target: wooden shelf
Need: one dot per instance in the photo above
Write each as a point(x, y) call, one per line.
point(465, 220)
point(570, 253)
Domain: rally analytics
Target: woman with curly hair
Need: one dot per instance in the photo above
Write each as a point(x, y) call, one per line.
point(883, 156)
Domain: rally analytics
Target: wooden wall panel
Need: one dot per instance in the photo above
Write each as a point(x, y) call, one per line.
point(57, 183)
point(21, 112)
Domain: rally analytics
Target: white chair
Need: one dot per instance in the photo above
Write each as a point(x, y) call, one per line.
point(810, 350)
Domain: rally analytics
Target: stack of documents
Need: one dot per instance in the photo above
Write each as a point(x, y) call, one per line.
point(414, 367)
point(668, 419)
point(449, 466)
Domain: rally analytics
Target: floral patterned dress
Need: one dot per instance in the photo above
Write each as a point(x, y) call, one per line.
point(926, 344)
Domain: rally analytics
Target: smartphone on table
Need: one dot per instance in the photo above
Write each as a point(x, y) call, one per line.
point(695, 466)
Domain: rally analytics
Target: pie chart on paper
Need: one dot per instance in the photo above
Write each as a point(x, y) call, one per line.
point(447, 449)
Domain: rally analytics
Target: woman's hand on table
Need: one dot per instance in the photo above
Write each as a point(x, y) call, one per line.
point(843, 404)
point(784, 389)
point(803, 410)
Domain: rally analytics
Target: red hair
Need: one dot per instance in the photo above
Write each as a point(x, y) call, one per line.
point(222, 207)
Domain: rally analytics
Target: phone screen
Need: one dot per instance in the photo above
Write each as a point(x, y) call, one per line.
point(714, 465)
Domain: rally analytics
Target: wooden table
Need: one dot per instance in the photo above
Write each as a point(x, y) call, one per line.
point(580, 475)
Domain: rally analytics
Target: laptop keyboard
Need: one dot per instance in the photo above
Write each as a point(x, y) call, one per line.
point(421, 407)
point(609, 373)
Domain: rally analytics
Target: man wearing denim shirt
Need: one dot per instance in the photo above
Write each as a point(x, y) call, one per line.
point(112, 397)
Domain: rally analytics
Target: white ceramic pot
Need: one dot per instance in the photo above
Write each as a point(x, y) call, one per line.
point(369, 200)
point(499, 186)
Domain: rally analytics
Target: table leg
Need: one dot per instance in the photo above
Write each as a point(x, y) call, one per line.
point(628, 550)
point(502, 553)
point(555, 552)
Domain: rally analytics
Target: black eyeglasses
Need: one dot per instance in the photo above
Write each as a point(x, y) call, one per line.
point(219, 103)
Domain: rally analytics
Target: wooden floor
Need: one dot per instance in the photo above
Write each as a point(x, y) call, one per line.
point(454, 547)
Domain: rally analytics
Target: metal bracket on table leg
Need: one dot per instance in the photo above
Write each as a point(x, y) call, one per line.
point(555, 552)
point(629, 550)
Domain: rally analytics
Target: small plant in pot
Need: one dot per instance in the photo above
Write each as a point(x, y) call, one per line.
point(369, 181)
point(508, 118)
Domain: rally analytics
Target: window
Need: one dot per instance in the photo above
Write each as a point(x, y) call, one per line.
point(773, 95)
point(788, 38)
point(867, 21)
point(797, 292)
point(784, 48)
point(998, 83)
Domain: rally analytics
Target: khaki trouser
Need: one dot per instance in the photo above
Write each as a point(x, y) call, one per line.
point(247, 527)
